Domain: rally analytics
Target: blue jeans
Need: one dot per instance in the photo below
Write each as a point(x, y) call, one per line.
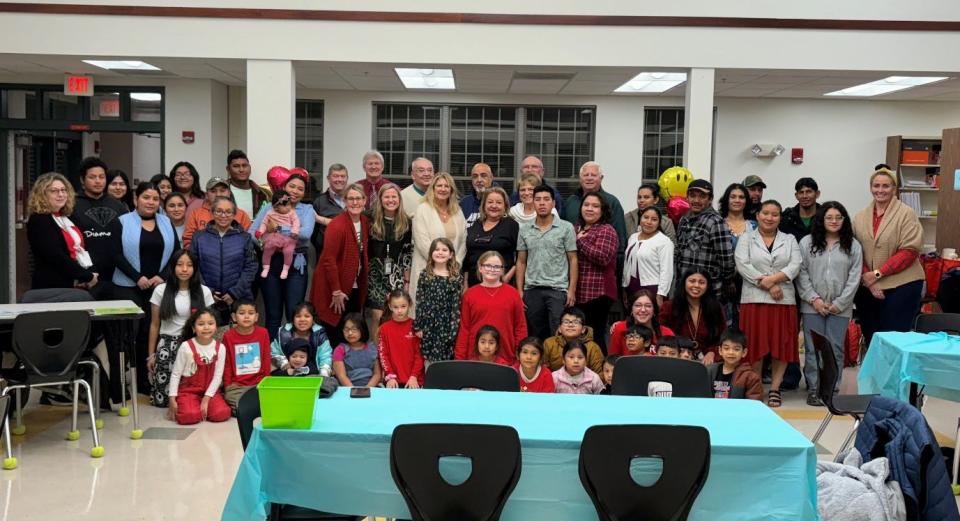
point(834, 329)
point(281, 296)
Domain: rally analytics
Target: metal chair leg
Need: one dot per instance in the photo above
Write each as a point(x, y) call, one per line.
point(136, 433)
point(123, 386)
point(847, 441)
point(74, 434)
point(97, 450)
point(9, 463)
point(822, 428)
point(19, 429)
point(95, 377)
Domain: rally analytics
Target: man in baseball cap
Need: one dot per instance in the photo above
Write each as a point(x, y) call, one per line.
point(755, 186)
point(198, 218)
point(704, 242)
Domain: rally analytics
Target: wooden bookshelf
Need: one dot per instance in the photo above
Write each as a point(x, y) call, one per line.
point(919, 180)
point(948, 231)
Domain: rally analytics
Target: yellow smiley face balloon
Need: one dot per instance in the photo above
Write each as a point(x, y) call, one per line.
point(673, 182)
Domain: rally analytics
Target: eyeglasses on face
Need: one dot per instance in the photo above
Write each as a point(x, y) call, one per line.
point(495, 267)
point(222, 212)
point(571, 322)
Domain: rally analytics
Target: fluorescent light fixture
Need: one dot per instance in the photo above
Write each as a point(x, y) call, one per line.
point(146, 96)
point(126, 65)
point(427, 78)
point(653, 82)
point(886, 85)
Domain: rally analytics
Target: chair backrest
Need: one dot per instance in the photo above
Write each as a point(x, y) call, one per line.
point(633, 374)
point(49, 343)
point(248, 409)
point(827, 372)
point(494, 452)
point(607, 452)
point(934, 322)
point(471, 374)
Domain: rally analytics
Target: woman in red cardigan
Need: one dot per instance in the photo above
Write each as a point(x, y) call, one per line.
point(340, 279)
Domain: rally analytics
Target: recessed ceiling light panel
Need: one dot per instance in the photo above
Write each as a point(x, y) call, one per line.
point(653, 82)
point(441, 79)
point(886, 85)
point(128, 65)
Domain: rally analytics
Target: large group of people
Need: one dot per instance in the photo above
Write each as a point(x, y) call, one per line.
point(405, 277)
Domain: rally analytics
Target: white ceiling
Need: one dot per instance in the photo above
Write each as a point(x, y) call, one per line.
point(494, 79)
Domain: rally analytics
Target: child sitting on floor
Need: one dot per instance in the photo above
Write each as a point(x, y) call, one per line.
point(608, 364)
point(355, 360)
point(248, 352)
point(534, 376)
point(304, 326)
point(734, 378)
point(575, 377)
point(669, 346)
point(198, 372)
point(637, 338)
point(299, 360)
point(572, 328)
point(486, 345)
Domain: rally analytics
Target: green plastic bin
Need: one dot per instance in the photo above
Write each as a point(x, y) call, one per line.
point(288, 402)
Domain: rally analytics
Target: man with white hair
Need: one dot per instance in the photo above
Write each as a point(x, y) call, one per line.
point(533, 165)
point(373, 169)
point(591, 175)
point(421, 171)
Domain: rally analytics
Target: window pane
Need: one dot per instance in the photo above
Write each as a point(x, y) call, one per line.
point(563, 139)
point(146, 106)
point(309, 135)
point(662, 141)
point(20, 104)
point(58, 106)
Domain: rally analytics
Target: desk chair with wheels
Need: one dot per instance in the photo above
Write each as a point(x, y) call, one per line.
point(853, 405)
point(607, 452)
point(935, 322)
point(248, 409)
point(494, 453)
point(465, 374)
point(49, 345)
point(633, 374)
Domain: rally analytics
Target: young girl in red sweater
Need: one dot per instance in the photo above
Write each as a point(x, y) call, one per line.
point(399, 344)
point(491, 303)
point(534, 376)
point(487, 345)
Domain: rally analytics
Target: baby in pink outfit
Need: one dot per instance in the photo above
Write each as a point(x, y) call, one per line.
point(285, 236)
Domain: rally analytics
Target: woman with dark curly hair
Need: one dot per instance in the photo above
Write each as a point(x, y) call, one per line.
point(828, 282)
point(696, 313)
point(734, 208)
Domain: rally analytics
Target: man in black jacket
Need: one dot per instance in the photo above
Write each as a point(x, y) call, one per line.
point(97, 215)
point(797, 220)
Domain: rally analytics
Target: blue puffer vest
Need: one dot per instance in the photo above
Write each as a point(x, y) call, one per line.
point(899, 431)
point(223, 259)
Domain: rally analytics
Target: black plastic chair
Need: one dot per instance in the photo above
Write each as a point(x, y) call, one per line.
point(633, 374)
point(494, 452)
point(248, 409)
point(605, 457)
point(49, 345)
point(853, 405)
point(470, 374)
point(935, 322)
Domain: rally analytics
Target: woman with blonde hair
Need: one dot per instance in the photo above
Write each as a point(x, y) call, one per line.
point(891, 282)
point(438, 215)
point(60, 259)
point(390, 250)
point(493, 231)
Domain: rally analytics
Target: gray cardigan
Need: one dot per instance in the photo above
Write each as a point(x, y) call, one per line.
point(832, 275)
point(755, 260)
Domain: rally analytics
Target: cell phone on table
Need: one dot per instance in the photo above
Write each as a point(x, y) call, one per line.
point(360, 392)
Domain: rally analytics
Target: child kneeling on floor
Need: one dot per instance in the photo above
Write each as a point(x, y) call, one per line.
point(575, 377)
point(248, 352)
point(198, 372)
point(734, 378)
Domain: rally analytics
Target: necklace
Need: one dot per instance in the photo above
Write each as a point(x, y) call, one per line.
point(693, 325)
point(493, 293)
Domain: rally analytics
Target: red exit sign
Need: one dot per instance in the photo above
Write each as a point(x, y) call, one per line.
point(77, 85)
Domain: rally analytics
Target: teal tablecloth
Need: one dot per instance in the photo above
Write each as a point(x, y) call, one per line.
point(894, 360)
point(761, 468)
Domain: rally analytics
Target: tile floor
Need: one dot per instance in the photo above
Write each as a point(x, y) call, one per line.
point(186, 473)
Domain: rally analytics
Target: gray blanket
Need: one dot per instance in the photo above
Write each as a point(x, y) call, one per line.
point(853, 491)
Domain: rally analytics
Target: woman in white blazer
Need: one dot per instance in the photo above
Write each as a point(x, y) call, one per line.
point(439, 215)
point(769, 260)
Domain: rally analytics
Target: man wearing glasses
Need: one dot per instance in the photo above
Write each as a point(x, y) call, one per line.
point(421, 171)
point(198, 218)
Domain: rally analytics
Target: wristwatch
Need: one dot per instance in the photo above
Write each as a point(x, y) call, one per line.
point(877, 274)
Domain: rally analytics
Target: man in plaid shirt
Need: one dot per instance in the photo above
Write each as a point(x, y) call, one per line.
point(703, 239)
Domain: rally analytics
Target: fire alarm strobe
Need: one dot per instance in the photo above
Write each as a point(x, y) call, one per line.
point(188, 136)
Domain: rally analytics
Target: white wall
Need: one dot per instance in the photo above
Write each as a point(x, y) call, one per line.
point(842, 141)
point(200, 106)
